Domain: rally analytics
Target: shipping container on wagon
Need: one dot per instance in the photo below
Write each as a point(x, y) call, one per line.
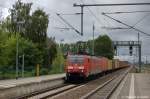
point(110, 63)
point(104, 63)
point(126, 63)
point(113, 64)
point(116, 63)
point(123, 63)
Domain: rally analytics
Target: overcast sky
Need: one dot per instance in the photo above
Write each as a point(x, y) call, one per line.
point(66, 7)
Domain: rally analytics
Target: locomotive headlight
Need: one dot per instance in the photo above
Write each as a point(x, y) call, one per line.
point(81, 67)
point(82, 70)
point(70, 67)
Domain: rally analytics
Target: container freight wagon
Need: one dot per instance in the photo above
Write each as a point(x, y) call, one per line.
point(116, 63)
point(123, 64)
point(110, 64)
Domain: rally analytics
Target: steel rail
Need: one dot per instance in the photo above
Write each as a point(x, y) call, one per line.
point(107, 83)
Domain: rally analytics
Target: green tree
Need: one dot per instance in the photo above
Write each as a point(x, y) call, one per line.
point(103, 47)
point(33, 27)
point(52, 50)
point(20, 17)
point(3, 38)
point(58, 62)
point(37, 32)
point(39, 24)
point(6, 24)
point(26, 47)
point(33, 40)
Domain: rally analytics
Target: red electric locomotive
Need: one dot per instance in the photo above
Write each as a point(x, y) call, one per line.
point(84, 65)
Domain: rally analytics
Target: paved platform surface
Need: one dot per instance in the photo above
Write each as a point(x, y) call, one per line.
point(21, 81)
point(134, 86)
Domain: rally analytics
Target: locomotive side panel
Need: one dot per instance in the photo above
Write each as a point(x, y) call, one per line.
point(95, 66)
point(87, 65)
point(104, 64)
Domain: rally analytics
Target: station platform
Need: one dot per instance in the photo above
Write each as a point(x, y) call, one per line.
point(134, 86)
point(22, 81)
point(18, 87)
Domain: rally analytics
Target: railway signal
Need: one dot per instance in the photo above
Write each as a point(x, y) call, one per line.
point(130, 50)
point(115, 50)
point(131, 44)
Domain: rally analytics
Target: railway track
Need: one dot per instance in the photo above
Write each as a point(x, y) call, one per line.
point(39, 92)
point(85, 91)
point(43, 94)
point(102, 86)
point(55, 92)
point(105, 90)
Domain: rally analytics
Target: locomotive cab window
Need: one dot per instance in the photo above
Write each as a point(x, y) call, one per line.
point(76, 59)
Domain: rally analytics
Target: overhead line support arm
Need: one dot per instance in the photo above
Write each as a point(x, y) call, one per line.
point(118, 4)
point(86, 5)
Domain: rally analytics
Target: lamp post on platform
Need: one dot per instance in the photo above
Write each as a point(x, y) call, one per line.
point(19, 23)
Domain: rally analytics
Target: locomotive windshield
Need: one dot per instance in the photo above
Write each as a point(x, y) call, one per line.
point(76, 59)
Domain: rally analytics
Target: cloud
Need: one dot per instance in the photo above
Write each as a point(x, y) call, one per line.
point(66, 6)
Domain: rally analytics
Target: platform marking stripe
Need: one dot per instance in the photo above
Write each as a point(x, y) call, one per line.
point(132, 92)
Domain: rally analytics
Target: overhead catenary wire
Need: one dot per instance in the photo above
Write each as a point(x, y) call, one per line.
point(57, 20)
point(71, 13)
point(121, 12)
point(93, 14)
point(125, 24)
point(114, 28)
point(115, 4)
point(132, 25)
point(131, 12)
point(68, 23)
point(106, 21)
point(141, 19)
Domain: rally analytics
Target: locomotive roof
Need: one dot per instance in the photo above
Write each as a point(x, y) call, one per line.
point(84, 56)
point(77, 55)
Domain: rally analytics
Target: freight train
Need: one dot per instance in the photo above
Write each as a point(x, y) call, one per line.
point(86, 65)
